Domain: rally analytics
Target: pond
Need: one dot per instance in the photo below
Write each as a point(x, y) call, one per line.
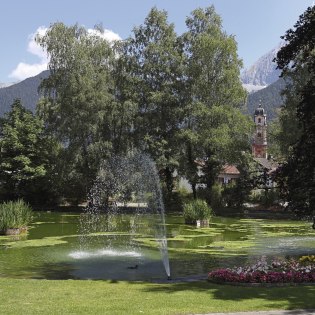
point(55, 249)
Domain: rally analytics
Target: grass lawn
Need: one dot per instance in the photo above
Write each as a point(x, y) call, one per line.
point(120, 297)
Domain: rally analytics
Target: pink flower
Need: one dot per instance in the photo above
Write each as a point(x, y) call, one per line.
point(277, 272)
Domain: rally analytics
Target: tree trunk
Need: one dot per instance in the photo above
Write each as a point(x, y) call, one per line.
point(169, 181)
point(193, 186)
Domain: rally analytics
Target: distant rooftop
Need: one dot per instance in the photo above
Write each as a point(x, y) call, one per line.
point(230, 169)
point(267, 164)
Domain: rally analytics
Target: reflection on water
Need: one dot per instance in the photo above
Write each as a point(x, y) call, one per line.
point(103, 252)
point(51, 250)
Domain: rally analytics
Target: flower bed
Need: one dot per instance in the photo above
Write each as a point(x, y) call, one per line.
point(276, 272)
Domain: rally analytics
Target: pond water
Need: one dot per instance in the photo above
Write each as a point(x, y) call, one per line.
point(53, 247)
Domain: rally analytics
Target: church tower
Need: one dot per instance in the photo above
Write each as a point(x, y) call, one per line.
point(259, 146)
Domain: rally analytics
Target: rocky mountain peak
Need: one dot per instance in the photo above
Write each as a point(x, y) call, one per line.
point(263, 72)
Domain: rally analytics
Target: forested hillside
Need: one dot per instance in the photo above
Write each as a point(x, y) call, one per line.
point(26, 90)
point(270, 98)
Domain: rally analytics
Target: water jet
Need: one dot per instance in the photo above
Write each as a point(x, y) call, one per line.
point(125, 185)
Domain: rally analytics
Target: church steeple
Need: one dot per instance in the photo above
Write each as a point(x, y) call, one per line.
point(259, 146)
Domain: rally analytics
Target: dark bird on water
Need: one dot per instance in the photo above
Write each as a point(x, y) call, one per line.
point(133, 267)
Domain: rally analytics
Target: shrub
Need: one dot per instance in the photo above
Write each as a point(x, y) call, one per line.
point(175, 202)
point(307, 259)
point(270, 197)
point(204, 193)
point(196, 210)
point(255, 196)
point(230, 195)
point(14, 214)
point(265, 197)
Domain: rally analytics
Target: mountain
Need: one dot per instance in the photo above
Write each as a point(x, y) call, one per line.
point(262, 73)
point(262, 82)
point(2, 85)
point(26, 90)
point(262, 78)
point(269, 97)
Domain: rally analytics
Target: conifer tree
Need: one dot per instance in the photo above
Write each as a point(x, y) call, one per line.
point(24, 153)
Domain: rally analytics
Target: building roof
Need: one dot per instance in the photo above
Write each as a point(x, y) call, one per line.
point(230, 169)
point(270, 165)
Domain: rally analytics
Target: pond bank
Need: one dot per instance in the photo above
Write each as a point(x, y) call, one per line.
point(246, 213)
point(254, 213)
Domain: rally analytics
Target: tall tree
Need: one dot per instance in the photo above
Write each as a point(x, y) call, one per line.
point(297, 59)
point(214, 128)
point(24, 154)
point(154, 61)
point(79, 105)
point(285, 131)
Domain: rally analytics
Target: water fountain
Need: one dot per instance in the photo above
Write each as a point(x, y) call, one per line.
point(124, 185)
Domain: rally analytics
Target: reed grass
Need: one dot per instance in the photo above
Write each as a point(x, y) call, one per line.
point(14, 214)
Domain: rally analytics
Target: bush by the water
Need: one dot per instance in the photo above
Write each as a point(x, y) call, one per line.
point(14, 214)
point(196, 210)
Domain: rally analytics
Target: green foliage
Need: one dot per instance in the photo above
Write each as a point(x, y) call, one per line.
point(78, 107)
point(270, 197)
point(255, 196)
point(273, 136)
point(213, 127)
point(183, 192)
point(213, 64)
point(175, 201)
point(251, 177)
point(236, 193)
point(266, 197)
point(216, 196)
point(153, 60)
point(230, 195)
point(296, 177)
point(14, 214)
point(24, 152)
point(285, 131)
point(177, 98)
point(197, 209)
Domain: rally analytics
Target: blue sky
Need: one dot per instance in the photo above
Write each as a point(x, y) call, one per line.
point(256, 24)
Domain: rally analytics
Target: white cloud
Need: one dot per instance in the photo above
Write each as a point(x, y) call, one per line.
point(25, 70)
point(33, 47)
point(108, 35)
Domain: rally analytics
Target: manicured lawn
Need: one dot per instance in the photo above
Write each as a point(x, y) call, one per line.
point(110, 297)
